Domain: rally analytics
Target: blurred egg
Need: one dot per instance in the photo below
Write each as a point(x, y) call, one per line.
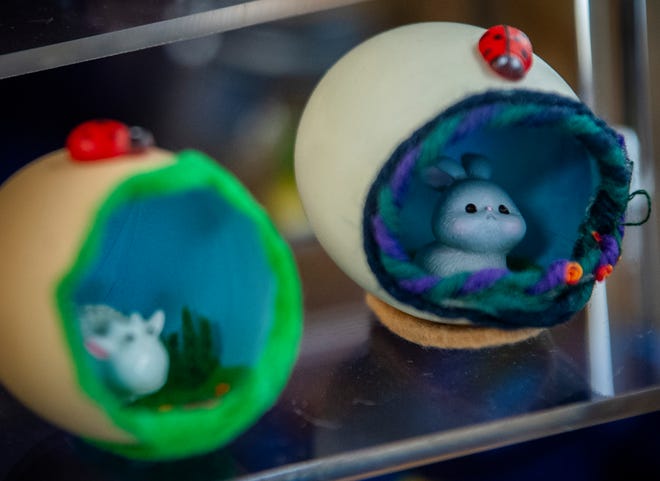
point(169, 243)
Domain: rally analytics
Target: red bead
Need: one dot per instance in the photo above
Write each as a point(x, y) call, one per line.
point(507, 50)
point(573, 273)
point(603, 272)
point(98, 139)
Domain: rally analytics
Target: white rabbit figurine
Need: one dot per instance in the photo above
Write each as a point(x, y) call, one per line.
point(132, 356)
point(475, 223)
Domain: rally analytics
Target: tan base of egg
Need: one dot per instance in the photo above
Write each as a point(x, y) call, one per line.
point(444, 336)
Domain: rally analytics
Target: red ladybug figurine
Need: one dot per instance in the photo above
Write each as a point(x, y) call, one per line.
point(507, 50)
point(105, 139)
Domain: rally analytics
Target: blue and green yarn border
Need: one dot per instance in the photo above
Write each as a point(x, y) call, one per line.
point(182, 432)
point(494, 297)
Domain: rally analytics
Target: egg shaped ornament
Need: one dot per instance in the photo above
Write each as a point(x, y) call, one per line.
point(458, 179)
point(148, 304)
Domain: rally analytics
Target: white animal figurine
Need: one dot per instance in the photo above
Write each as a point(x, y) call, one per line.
point(131, 355)
point(475, 223)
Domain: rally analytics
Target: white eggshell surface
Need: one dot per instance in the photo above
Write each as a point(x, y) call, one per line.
point(369, 102)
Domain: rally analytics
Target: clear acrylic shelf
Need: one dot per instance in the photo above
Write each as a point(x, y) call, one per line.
point(362, 401)
point(41, 35)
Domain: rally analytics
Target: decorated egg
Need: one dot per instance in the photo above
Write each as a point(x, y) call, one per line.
point(148, 304)
point(456, 194)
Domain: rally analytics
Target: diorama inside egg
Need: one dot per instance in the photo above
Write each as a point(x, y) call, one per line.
point(456, 177)
point(148, 303)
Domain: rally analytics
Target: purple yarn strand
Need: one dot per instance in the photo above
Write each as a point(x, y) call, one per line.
point(610, 250)
point(621, 140)
point(401, 178)
point(387, 243)
point(419, 285)
point(554, 276)
point(474, 120)
point(481, 280)
point(621, 228)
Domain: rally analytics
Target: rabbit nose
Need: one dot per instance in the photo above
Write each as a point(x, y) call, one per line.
point(489, 208)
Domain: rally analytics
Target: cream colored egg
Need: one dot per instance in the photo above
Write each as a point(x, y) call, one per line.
point(370, 101)
point(45, 211)
point(145, 296)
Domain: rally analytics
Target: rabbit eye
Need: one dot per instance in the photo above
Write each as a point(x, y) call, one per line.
point(470, 208)
point(150, 330)
point(503, 209)
point(129, 338)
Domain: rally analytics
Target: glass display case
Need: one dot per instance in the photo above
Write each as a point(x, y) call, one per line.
point(231, 78)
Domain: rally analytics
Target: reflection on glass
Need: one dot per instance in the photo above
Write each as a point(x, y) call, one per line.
point(392, 389)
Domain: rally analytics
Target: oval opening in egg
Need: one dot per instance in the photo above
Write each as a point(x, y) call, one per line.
point(564, 171)
point(178, 308)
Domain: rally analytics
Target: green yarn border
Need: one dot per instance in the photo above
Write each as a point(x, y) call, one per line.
point(184, 432)
point(507, 302)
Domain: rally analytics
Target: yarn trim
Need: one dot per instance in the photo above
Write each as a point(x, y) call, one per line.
point(647, 197)
point(533, 297)
point(186, 431)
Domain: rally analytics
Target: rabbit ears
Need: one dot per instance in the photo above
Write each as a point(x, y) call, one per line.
point(447, 170)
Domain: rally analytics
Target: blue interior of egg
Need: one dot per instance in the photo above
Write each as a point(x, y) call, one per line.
point(187, 250)
point(564, 168)
point(549, 175)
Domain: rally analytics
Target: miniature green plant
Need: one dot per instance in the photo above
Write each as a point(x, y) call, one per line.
point(195, 373)
point(193, 360)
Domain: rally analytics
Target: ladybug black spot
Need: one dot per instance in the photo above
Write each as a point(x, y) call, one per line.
point(140, 138)
point(498, 36)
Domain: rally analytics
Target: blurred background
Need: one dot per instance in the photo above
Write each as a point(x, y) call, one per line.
point(238, 96)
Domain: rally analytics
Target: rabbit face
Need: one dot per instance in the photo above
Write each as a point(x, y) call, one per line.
point(478, 216)
point(139, 362)
point(475, 223)
point(135, 360)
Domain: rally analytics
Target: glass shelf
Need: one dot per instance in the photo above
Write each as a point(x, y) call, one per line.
point(41, 35)
point(362, 401)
